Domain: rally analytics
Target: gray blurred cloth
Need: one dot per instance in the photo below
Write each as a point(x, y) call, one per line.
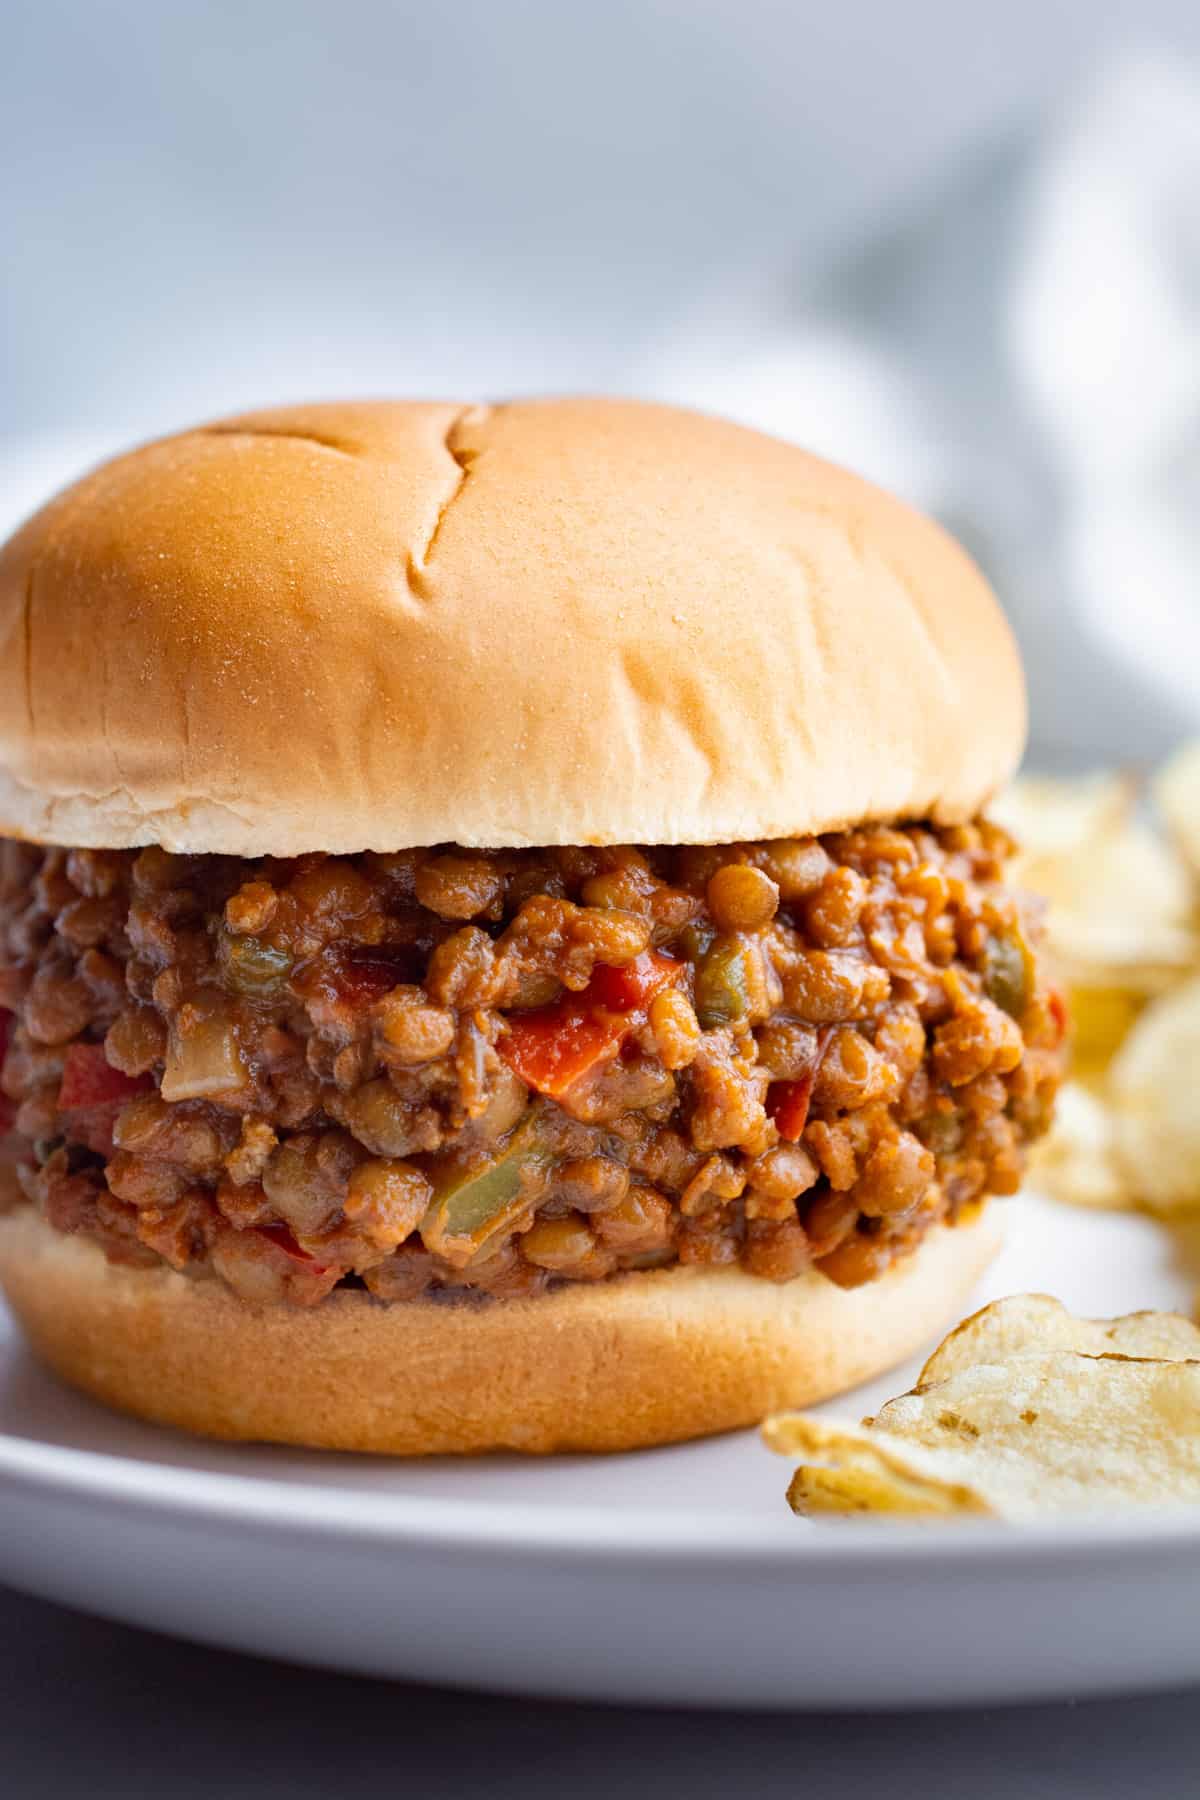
point(1020, 354)
point(1021, 357)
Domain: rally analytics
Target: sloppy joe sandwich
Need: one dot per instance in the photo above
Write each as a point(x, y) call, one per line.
point(500, 942)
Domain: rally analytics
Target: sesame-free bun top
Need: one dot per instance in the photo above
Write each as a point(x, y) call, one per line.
point(383, 624)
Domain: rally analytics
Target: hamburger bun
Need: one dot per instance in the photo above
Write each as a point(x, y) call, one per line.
point(385, 625)
point(648, 1358)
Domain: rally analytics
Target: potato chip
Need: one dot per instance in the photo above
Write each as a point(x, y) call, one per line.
point(1101, 1019)
point(1031, 1322)
point(852, 1469)
point(1176, 791)
point(1024, 1409)
point(1078, 1161)
point(1044, 1432)
point(1056, 816)
point(1123, 929)
point(1152, 1090)
point(1121, 912)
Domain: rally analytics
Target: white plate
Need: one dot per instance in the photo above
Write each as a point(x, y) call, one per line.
point(673, 1575)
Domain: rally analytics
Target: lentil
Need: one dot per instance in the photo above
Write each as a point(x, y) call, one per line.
point(322, 1042)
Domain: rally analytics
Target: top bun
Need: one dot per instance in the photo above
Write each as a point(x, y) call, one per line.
point(386, 624)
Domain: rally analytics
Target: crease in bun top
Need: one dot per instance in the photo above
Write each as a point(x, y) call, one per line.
point(527, 857)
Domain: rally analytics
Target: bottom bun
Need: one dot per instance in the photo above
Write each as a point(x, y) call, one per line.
point(643, 1359)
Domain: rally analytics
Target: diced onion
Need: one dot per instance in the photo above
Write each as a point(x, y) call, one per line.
point(203, 1058)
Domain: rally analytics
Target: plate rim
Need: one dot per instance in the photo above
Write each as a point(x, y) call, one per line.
point(573, 1531)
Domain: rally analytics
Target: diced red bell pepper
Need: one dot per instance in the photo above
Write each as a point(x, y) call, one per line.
point(280, 1235)
point(92, 1093)
point(634, 986)
point(1057, 1004)
point(788, 1101)
point(357, 976)
point(89, 1079)
point(289, 1271)
point(552, 1048)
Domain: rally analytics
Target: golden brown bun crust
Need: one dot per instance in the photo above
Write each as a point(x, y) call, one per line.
point(379, 625)
point(646, 1359)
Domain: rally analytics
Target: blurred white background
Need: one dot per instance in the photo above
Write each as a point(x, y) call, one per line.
point(956, 245)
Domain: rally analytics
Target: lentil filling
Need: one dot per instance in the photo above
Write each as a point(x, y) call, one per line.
point(448, 1071)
